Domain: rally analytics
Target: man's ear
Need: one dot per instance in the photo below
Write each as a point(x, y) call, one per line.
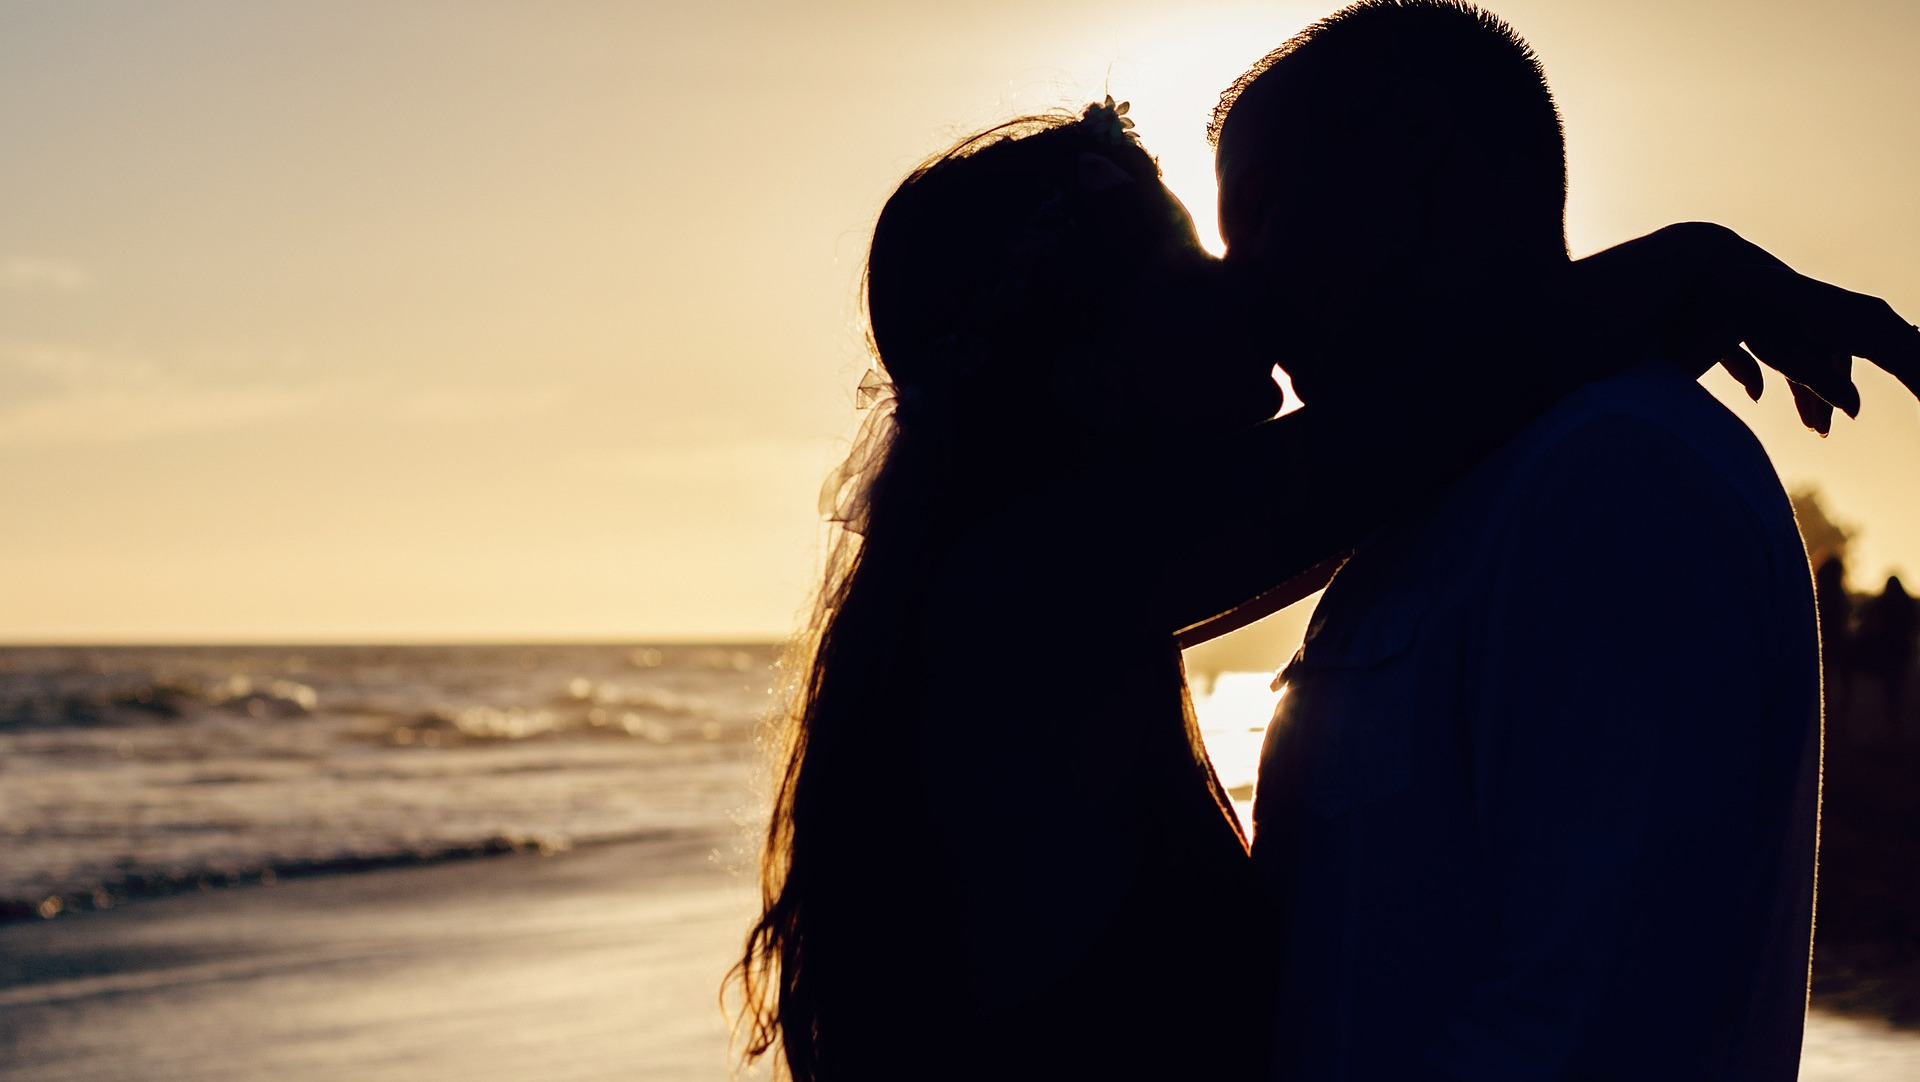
point(1085, 385)
point(1423, 119)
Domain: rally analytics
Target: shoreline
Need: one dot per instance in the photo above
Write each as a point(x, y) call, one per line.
point(144, 886)
point(1853, 975)
point(604, 962)
point(600, 963)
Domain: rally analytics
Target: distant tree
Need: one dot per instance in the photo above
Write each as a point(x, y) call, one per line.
point(1824, 537)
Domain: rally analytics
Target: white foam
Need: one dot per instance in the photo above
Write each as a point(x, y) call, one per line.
point(1841, 1049)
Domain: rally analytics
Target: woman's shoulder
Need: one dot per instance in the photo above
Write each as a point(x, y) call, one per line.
point(1075, 547)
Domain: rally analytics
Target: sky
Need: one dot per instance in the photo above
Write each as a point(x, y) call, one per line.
point(410, 321)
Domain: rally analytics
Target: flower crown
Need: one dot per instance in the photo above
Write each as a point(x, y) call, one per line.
point(1109, 122)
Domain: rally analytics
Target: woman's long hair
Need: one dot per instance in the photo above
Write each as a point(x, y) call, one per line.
point(984, 265)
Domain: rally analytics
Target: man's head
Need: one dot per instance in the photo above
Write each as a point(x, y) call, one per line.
point(1391, 164)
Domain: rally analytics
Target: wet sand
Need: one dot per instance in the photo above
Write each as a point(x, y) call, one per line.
point(597, 965)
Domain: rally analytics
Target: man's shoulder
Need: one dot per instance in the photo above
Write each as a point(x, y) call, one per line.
point(1648, 442)
point(1660, 399)
point(1650, 418)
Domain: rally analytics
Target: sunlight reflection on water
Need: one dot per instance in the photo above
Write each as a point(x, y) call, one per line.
point(1233, 709)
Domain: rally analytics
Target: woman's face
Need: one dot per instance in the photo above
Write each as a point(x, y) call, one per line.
point(1189, 356)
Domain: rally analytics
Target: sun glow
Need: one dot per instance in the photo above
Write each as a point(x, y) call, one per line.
point(1233, 709)
point(1172, 67)
point(510, 336)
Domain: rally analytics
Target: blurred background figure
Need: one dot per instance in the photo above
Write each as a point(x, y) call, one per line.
point(1882, 647)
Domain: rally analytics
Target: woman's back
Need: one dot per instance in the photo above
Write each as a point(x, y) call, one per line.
point(1106, 914)
point(981, 867)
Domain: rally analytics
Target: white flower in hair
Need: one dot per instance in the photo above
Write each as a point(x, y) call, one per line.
point(874, 386)
point(1110, 122)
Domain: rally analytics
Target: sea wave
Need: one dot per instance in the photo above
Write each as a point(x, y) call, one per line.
point(118, 889)
point(131, 772)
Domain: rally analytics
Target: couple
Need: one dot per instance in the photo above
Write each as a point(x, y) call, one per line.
point(1540, 799)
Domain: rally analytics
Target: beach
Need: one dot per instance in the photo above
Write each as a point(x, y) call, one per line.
point(599, 964)
point(431, 863)
point(594, 965)
point(373, 862)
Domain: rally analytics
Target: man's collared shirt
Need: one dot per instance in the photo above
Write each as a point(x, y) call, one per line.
point(1540, 800)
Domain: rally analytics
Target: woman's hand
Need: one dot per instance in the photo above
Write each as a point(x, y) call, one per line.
point(1749, 308)
point(1716, 298)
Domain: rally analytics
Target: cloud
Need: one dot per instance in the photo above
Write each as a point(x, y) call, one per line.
point(22, 272)
point(715, 462)
point(453, 404)
point(54, 395)
point(26, 366)
point(752, 475)
point(130, 416)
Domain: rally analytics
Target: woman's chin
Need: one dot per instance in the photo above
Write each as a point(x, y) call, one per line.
point(1263, 404)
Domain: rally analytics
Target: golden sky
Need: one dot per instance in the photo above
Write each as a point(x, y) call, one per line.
point(397, 321)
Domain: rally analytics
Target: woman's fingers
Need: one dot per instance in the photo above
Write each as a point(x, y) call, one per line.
point(1843, 367)
point(1884, 337)
point(1837, 321)
point(1807, 329)
point(1831, 377)
point(1745, 370)
point(1815, 370)
point(1815, 412)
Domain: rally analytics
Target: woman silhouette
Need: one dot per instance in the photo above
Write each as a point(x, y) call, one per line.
point(997, 849)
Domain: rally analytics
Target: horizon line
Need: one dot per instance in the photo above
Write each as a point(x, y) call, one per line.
point(138, 643)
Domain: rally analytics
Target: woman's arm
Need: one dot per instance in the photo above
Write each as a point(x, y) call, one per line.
point(1697, 291)
point(1276, 501)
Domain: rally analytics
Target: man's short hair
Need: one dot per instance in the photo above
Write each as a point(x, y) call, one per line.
point(1369, 50)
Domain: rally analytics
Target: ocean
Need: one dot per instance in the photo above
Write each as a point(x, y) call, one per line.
point(136, 783)
point(137, 771)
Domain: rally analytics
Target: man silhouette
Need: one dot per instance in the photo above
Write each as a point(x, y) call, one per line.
point(1540, 800)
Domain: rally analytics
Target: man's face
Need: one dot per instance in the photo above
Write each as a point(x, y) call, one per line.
point(1189, 359)
point(1322, 212)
